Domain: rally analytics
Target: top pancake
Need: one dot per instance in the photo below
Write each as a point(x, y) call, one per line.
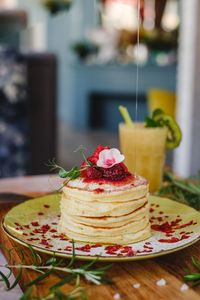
point(107, 192)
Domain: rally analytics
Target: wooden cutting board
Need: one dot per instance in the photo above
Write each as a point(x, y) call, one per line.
point(124, 274)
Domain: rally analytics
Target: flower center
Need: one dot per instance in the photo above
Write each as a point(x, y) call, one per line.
point(110, 162)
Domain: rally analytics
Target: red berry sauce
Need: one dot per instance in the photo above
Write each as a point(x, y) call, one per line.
point(118, 174)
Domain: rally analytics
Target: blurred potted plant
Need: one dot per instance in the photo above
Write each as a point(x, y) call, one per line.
point(56, 6)
point(83, 49)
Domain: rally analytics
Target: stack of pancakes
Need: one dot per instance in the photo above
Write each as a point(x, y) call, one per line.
point(105, 213)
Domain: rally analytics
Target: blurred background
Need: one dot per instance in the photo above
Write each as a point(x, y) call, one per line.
point(66, 65)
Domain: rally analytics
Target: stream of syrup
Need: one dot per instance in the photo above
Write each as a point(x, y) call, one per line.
point(137, 63)
point(137, 74)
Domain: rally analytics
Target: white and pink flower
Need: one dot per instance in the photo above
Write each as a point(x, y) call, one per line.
point(109, 157)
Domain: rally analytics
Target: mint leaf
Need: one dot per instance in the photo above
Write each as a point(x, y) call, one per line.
point(156, 120)
point(157, 112)
point(149, 122)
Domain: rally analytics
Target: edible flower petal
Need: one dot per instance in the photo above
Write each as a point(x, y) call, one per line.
point(109, 157)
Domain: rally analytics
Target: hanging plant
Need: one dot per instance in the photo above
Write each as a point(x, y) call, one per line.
point(56, 6)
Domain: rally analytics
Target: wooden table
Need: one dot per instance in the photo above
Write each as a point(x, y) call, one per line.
point(124, 275)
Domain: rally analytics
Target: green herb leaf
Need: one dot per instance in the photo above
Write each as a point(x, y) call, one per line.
point(195, 277)
point(192, 277)
point(157, 112)
point(181, 190)
point(63, 281)
point(82, 149)
point(195, 263)
point(36, 257)
point(17, 279)
point(51, 261)
point(5, 280)
point(54, 266)
point(62, 173)
point(74, 173)
point(55, 167)
point(90, 264)
point(27, 294)
point(71, 174)
point(73, 256)
point(39, 278)
point(151, 122)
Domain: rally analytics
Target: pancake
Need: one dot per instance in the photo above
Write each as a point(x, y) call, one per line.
point(105, 212)
point(103, 202)
point(75, 207)
point(95, 230)
point(122, 239)
point(106, 221)
point(79, 189)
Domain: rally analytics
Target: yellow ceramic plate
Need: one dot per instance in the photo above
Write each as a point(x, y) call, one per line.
point(34, 222)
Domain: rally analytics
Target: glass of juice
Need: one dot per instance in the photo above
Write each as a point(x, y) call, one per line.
point(144, 151)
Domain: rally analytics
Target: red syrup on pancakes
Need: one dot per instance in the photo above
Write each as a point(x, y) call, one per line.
point(101, 181)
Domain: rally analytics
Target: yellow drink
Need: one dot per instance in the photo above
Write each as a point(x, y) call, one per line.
point(144, 150)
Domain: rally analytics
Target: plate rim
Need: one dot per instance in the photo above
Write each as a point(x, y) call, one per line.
point(100, 258)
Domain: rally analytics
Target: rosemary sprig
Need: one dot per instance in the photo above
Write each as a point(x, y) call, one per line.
point(75, 293)
point(194, 277)
point(65, 272)
point(183, 190)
